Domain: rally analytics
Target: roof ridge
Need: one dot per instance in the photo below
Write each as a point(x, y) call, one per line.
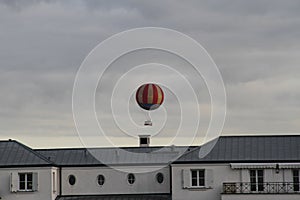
point(76, 148)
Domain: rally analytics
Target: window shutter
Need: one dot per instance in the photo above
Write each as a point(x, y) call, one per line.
point(245, 175)
point(209, 178)
point(186, 178)
point(35, 181)
point(14, 182)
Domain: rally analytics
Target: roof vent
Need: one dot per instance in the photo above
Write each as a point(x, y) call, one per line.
point(144, 140)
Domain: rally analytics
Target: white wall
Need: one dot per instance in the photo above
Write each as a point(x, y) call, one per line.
point(115, 181)
point(44, 182)
point(223, 173)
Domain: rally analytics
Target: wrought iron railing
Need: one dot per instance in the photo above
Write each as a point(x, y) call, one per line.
point(262, 188)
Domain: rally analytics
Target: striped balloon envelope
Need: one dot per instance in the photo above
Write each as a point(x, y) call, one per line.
point(149, 96)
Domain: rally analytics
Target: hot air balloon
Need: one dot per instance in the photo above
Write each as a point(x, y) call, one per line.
point(149, 97)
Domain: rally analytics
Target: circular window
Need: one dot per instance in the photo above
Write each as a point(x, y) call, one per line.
point(72, 180)
point(160, 177)
point(101, 179)
point(131, 178)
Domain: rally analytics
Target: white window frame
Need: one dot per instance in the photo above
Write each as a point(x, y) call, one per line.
point(197, 177)
point(257, 184)
point(26, 182)
point(187, 178)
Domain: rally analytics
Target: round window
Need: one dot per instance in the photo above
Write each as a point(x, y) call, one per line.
point(72, 180)
point(131, 178)
point(160, 177)
point(101, 179)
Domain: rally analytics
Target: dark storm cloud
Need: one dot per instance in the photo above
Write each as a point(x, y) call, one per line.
point(43, 42)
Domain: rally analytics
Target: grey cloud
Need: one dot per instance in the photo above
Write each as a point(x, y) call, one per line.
point(43, 42)
point(18, 5)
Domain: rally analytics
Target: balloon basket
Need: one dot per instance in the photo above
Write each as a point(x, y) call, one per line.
point(148, 123)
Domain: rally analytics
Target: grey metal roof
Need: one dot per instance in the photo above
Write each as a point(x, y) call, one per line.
point(118, 197)
point(13, 153)
point(284, 148)
point(249, 149)
point(111, 156)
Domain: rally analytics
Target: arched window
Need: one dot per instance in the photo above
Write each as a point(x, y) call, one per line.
point(130, 178)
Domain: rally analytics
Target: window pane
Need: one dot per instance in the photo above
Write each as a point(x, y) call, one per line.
point(29, 177)
point(253, 186)
point(101, 180)
point(194, 178)
point(252, 173)
point(296, 172)
point(201, 178)
point(194, 182)
point(22, 185)
point(29, 185)
point(194, 174)
point(260, 187)
point(131, 178)
point(160, 177)
point(296, 180)
point(72, 179)
point(260, 180)
point(252, 180)
point(201, 173)
point(260, 173)
point(22, 177)
point(144, 140)
point(201, 182)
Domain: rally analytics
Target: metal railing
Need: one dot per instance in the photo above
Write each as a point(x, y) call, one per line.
point(260, 188)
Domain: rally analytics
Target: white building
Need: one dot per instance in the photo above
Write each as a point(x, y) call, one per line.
point(238, 167)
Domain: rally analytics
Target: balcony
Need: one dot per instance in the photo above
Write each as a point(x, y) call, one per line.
point(261, 188)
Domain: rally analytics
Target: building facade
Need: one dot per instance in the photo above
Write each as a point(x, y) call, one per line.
point(238, 167)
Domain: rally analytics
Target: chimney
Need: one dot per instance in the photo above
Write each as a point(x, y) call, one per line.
point(144, 140)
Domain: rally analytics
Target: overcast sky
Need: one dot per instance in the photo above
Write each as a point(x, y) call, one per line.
point(254, 43)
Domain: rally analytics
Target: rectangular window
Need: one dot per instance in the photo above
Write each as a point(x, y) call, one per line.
point(256, 180)
point(198, 177)
point(296, 180)
point(25, 182)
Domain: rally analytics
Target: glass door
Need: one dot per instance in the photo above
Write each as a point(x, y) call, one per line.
point(256, 180)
